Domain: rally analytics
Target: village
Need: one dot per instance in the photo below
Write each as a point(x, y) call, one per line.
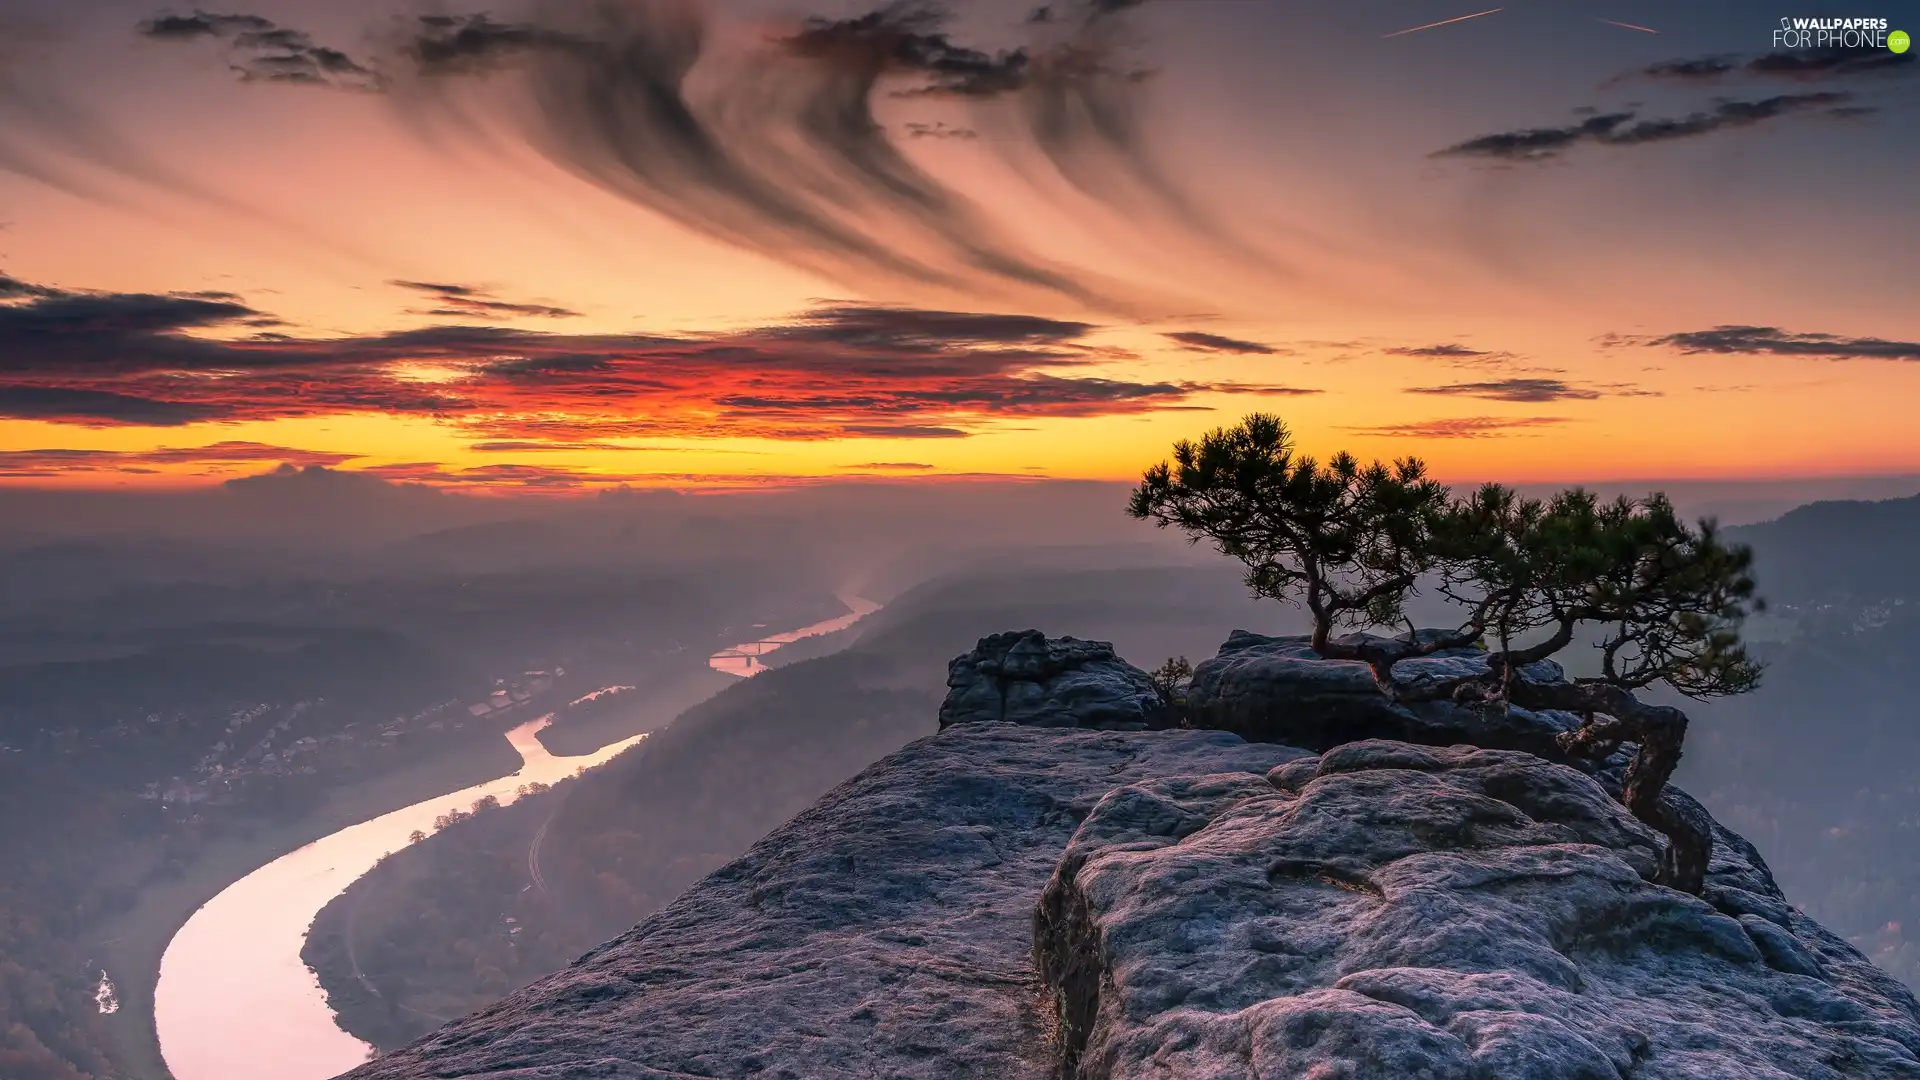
point(263, 740)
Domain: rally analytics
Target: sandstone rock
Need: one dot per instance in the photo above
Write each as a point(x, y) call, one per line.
point(1025, 677)
point(1277, 689)
point(1390, 910)
point(1005, 902)
point(884, 932)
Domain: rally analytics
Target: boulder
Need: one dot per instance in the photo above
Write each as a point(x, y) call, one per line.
point(1389, 910)
point(1277, 689)
point(1024, 677)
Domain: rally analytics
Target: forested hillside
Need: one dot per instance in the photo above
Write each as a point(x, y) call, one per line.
point(430, 928)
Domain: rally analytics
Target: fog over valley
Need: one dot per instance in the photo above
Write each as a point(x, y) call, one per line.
point(185, 696)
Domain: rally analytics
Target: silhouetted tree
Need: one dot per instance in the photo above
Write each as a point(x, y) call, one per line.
point(1351, 543)
point(1170, 682)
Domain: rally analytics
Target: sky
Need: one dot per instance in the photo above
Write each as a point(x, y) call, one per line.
point(559, 246)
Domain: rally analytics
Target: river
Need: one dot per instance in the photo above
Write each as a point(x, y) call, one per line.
point(744, 659)
point(234, 1001)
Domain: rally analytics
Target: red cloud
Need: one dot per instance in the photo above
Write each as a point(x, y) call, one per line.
point(839, 371)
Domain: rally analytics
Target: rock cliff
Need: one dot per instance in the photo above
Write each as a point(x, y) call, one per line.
point(1004, 900)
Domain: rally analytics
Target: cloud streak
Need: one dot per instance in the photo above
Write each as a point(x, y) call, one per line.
point(1621, 129)
point(1439, 352)
point(1773, 341)
point(836, 371)
point(1200, 341)
point(1801, 65)
point(211, 459)
point(782, 154)
point(1532, 390)
point(470, 302)
point(260, 50)
point(775, 147)
point(1466, 427)
point(541, 479)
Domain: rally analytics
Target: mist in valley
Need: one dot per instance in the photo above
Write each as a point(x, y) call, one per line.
point(195, 680)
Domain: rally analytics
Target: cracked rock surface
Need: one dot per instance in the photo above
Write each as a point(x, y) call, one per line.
point(885, 932)
point(1388, 911)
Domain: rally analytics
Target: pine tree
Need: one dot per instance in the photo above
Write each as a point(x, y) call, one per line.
point(1664, 600)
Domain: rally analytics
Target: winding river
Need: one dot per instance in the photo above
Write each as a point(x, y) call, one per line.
point(744, 659)
point(234, 1000)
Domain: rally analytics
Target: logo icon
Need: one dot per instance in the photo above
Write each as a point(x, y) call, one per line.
point(1898, 41)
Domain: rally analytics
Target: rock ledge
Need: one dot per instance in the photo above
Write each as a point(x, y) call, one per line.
point(1388, 910)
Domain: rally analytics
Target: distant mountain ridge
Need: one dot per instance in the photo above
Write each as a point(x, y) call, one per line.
point(1838, 551)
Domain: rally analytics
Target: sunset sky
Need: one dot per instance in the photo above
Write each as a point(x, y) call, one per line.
point(565, 245)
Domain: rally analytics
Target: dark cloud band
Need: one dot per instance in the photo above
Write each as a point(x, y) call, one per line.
point(1624, 129)
point(260, 50)
point(1773, 341)
point(1201, 341)
point(837, 371)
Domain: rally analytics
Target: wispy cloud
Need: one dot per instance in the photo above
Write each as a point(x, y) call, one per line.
point(781, 152)
point(1466, 427)
point(1625, 129)
point(1267, 389)
point(1773, 341)
point(1444, 352)
point(539, 479)
point(260, 50)
point(520, 446)
point(800, 169)
point(939, 130)
point(205, 460)
point(536, 479)
point(468, 301)
point(1200, 341)
point(1532, 390)
point(1803, 65)
point(836, 371)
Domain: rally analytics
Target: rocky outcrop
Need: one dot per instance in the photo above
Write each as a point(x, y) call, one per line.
point(1277, 689)
point(883, 932)
point(1007, 902)
point(1388, 910)
point(1025, 677)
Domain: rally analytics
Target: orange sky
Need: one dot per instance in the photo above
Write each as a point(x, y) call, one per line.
point(1623, 304)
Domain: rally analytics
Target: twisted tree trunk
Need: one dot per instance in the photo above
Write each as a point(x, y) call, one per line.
point(1614, 716)
point(1658, 731)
